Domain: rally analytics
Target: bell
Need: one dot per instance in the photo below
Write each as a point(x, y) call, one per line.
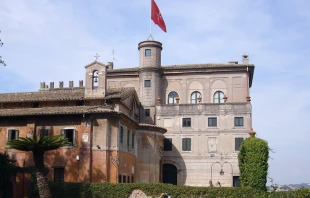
point(95, 79)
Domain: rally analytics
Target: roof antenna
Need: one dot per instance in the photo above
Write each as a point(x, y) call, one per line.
point(113, 58)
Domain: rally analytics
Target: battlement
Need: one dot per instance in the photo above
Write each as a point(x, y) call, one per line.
point(51, 87)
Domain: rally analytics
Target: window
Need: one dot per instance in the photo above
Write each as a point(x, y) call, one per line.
point(70, 135)
point(148, 52)
point(167, 144)
point(238, 142)
point(186, 122)
point(35, 105)
point(13, 134)
point(59, 174)
point(147, 112)
point(132, 180)
point(119, 178)
point(121, 135)
point(186, 144)
point(212, 122)
point(195, 97)
point(80, 103)
point(172, 97)
point(43, 132)
point(236, 181)
point(95, 78)
point(124, 178)
point(132, 140)
point(238, 121)
point(128, 138)
point(128, 179)
point(147, 83)
point(218, 97)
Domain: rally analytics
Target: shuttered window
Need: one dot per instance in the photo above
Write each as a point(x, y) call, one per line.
point(186, 122)
point(212, 122)
point(186, 144)
point(43, 132)
point(59, 174)
point(238, 142)
point(168, 144)
point(128, 138)
point(70, 135)
point(133, 140)
point(238, 121)
point(121, 135)
point(13, 134)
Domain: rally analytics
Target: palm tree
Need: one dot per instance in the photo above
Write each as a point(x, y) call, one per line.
point(38, 146)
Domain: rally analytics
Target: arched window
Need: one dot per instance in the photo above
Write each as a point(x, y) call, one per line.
point(95, 78)
point(218, 97)
point(172, 97)
point(194, 97)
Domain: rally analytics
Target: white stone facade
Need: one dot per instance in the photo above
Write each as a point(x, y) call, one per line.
point(210, 148)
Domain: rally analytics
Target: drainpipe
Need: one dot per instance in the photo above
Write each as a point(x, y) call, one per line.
point(91, 151)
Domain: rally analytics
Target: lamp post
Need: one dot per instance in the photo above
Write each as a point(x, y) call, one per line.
point(222, 172)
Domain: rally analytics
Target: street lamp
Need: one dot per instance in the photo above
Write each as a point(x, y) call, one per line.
point(222, 171)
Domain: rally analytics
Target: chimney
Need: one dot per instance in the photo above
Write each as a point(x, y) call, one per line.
point(245, 59)
point(42, 85)
point(110, 66)
point(81, 83)
point(52, 85)
point(61, 84)
point(70, 84)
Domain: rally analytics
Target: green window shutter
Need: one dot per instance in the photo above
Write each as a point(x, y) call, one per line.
point(16, 134)
point(189, 144)
point(238, 142)
point(122, 135)
point(183, 144)
point(133, 140)
point(10, 135)
point(128, 138)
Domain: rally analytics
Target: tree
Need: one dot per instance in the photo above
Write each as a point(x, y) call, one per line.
point(253, 162)
point(38, 146)
point(1, 61)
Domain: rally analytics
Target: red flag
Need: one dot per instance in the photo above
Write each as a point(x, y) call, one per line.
point(157, 17)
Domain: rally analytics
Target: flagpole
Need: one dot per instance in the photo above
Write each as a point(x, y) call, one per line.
point(151, 19)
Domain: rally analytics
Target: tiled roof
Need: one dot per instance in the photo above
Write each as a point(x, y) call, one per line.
point(61, 95)
point(54, 110)
point(186, 66)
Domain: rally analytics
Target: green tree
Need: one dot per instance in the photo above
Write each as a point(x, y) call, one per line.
point(253, 162)
point(1, 61)
point(38, 146)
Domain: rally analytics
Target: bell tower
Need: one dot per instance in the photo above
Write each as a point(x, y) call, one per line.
point(95, 79)
point(149, 77)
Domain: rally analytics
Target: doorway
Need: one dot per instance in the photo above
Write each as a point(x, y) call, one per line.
point(170, 174)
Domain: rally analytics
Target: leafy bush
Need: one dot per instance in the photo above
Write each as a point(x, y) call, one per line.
point(253, 163)
point(108, 190)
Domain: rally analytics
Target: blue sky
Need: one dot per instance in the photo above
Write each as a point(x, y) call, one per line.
point(52, 40)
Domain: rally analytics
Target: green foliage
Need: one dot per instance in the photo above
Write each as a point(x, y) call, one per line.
point(108, 190)
point(253, 163)
point(36, 144)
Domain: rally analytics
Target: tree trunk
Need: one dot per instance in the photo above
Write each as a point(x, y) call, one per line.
point(41, 173)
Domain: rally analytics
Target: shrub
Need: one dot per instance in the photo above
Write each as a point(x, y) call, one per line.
point(253, 163)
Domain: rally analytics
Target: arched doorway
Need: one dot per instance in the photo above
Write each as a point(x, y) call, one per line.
point(170, 174)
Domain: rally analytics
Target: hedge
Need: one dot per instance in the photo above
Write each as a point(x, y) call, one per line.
point(123, 190)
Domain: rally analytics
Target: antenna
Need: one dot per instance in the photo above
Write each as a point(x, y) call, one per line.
point(113, 59)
